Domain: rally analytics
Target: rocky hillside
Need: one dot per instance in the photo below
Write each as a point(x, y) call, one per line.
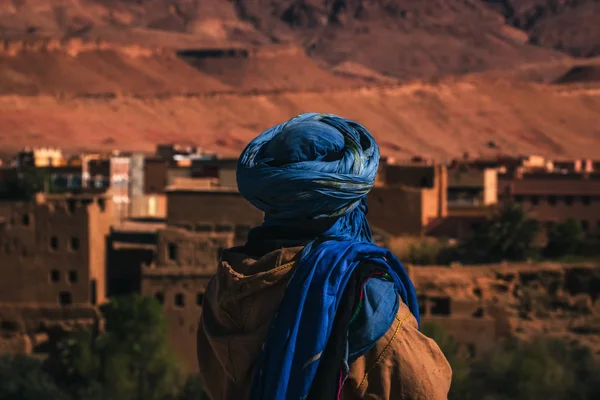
point(534, 299)
point(406, 39)
point(571, 26)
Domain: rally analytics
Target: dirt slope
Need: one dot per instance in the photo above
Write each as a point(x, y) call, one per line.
point(441, 121)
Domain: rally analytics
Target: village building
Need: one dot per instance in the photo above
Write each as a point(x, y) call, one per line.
point(52, 261)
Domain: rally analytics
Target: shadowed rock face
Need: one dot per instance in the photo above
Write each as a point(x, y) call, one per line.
point(570, 26)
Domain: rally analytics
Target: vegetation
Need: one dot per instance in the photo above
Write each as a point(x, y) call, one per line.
point(544, 368)
point(131, 360)
point(565, 239)
point(23, 185)
point(509, 235)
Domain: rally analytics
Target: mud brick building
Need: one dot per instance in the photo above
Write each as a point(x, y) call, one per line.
point(407, 198)
point(554, 197)
point(52, 262)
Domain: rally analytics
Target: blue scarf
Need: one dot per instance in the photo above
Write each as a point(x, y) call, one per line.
point(311, 174)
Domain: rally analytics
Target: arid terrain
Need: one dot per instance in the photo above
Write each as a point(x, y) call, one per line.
point(433, 78)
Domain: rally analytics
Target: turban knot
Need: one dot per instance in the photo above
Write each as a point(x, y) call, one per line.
point(312, 166)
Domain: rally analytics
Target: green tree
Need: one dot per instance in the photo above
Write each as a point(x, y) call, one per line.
point(564, 239)
point(22, 378)
point(131, 360)
point(23, 185)
point(507, 235)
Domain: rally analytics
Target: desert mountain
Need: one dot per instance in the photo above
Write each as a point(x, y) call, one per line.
point(434, 78)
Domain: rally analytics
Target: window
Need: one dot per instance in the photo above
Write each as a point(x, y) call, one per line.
point(73, 276)
point(53, 243)
point(54, 275)
point(223, 228)
point(440, 306)
point(179, 300)
point(586, 200)
point(25, 220)
point(71, 205)
point(102, 204)
point(535, 200)
point(569, 200)
point(552, 200)
point(172, 251)
point(93, 292)
point(199, 298)
point(74, 243)
point(422, 302)
point(519, 199)
point(160, 297)
point(65, 298)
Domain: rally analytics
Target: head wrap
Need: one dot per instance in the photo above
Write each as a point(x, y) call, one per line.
point(310, 176)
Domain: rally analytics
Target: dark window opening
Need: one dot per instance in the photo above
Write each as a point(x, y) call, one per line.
point(519, 199)
point(172, 251)
point(71, 206)
point(9, 326)
point(422, 301)
point(54, 243)
point(73, 276)
point(93, 292)
point(223, 228)
point(569, 200)
point(101, 204)
point(586, 200)
point(426, 182)
point(160, 297)
point(440, 306)
point(65, 298)
point(478, 313)
point(74, 243)
point(199, 298)
point(471, 350)
point(54, 275)
point(25, 220)
point(535, 200)
point(552, 200)
point(179, 300)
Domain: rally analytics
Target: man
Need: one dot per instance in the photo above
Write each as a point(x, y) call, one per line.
point(310, 308)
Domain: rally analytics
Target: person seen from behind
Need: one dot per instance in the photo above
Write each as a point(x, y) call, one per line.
point(310, 307)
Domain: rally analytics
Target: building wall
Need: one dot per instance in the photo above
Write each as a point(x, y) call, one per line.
point(189, 207)
point(155, 175)
point(403, 210)
point(181, 294)
point(52, 249)
point(490, 192)
point(177, 246)
point(152, 205)
point(396, 210)
point(552, 198)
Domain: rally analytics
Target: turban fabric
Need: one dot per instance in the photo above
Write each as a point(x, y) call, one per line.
point(310, 176)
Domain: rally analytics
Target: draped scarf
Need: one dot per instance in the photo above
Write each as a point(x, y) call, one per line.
point(310, 176)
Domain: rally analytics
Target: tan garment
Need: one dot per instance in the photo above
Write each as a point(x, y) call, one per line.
point(242, 298)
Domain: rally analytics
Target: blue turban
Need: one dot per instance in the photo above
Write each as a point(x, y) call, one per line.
point(312, 174)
